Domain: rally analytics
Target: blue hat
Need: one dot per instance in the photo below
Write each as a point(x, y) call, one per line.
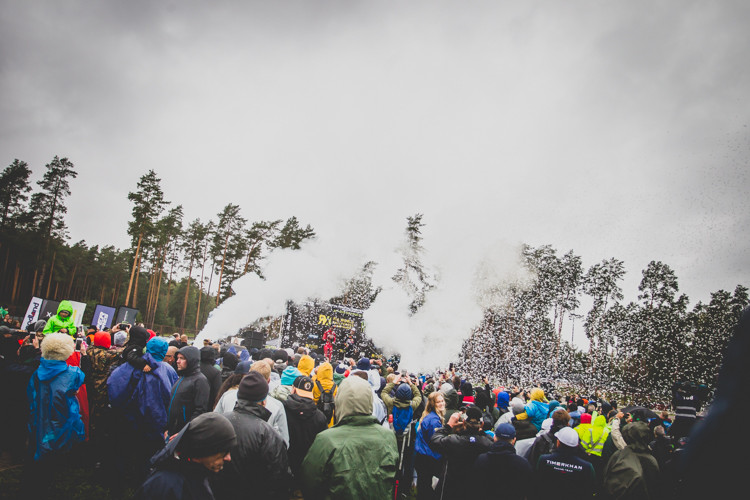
point(363, 364)
point(403, 392)
point(243, 367)
point(505, 431)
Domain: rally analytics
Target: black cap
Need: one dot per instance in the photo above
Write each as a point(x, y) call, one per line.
point(304, 386)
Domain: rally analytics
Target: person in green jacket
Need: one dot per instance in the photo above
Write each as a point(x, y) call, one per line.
point(354, 459)
point(63, 321)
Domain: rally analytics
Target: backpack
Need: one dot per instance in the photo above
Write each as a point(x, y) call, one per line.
point(402, 418)
point(325, 402)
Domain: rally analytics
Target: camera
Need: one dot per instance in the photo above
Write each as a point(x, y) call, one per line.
point(124, 326)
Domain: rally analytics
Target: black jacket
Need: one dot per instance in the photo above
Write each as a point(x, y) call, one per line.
point(259, 459)
point(190, 393)
point(305, 421)
point(460, 450)
point(208, 369)
point(501, 473)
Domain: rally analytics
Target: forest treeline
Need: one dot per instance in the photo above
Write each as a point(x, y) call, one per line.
point(174, 271)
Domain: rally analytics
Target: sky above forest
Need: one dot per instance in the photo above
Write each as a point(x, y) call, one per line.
point(616, 129)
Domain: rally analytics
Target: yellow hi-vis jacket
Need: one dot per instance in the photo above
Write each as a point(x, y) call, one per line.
point(593, 436)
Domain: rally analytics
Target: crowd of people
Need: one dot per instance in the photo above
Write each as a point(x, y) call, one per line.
point(222, 421)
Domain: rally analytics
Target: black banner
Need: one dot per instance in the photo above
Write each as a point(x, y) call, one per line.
point(126, 315)
point(49, 309)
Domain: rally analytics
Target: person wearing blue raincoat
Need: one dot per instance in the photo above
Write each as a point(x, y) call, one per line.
point(139, 401)
point(142, 397)
point(55, 422)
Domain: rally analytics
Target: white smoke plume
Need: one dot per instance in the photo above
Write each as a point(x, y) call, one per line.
point(468, 279)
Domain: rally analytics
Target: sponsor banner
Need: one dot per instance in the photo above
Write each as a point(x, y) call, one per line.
point(78, 308)
point(32, 313)
point(104, 317)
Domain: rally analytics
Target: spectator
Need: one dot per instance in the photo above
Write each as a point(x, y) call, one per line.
point(55, 423)
point(633, 473)
point(259, 459)
point(190, 393)
point(563, 473)
point(210, 371)
point(62, 321)
point(428, 462)
point(305, 422)
point(504, 466)
point(461, 441)
point(356, 458)
point(183, 468)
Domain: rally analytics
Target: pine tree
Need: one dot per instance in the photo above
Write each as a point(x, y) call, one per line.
point(13, 195)
point(47, 209)
point(292, 235)
point(413, 277)
point(148, 204)
point(230, 225)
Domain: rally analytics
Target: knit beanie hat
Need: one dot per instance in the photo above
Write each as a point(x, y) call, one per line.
point(517, 406)
point(253, 387)
point(363, 364)
point(403, 392)
point(207, 434)
point(340, 369)
point(120, 338)
point(586, 418)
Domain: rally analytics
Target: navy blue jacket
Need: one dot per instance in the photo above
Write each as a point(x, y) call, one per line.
point(564, 474)
point(501, 466)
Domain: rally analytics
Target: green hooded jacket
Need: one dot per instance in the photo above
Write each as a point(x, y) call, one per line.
point(356, 458)
point(56, 323)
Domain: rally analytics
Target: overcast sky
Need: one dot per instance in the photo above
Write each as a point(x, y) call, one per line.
point(616, 129)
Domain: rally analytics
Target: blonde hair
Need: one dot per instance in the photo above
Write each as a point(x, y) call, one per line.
point(262, 368)
point(432, 405)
